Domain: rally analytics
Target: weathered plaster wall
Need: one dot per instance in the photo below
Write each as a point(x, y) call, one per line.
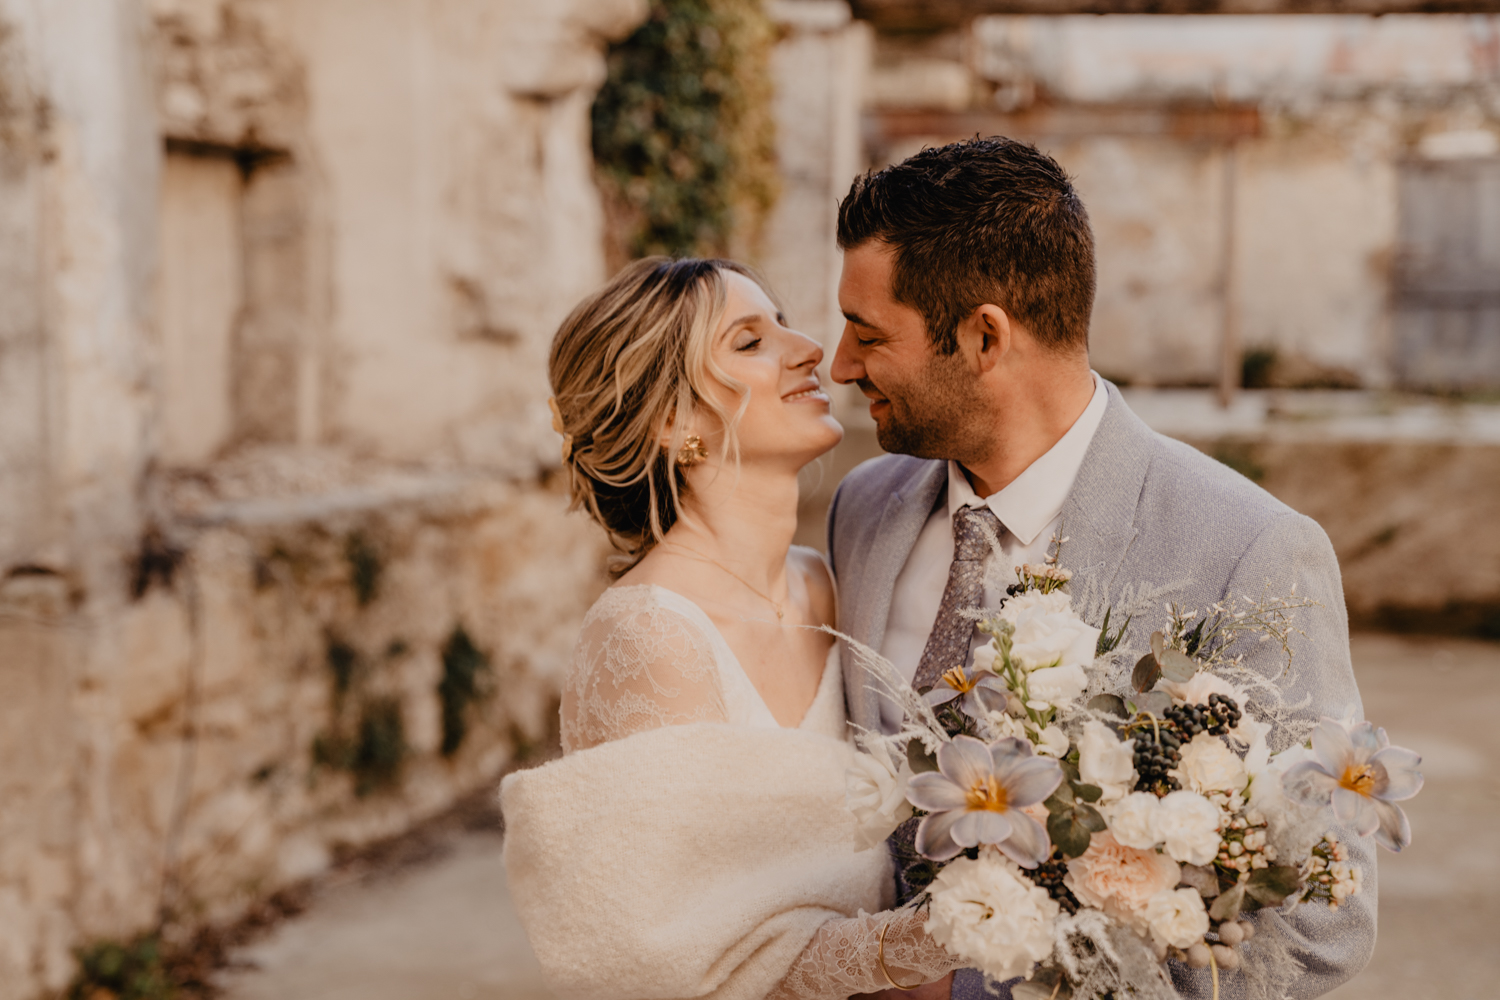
point(1321, 112)
point(279, 277)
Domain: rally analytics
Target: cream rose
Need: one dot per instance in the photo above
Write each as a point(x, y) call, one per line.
point(1048, 632)
point(875, 792)
point(1187, 825)
point(1131, 820)
point(1118, 879)
point(1210, 766)
point(1106, 761)
point(1177, 917)
point(1057, 685)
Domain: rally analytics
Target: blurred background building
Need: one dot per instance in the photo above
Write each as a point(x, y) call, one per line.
point(284, 564)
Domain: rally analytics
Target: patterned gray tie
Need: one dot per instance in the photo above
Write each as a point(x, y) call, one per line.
point(948, 645)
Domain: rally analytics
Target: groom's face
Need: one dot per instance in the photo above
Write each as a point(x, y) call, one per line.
point(923, 403)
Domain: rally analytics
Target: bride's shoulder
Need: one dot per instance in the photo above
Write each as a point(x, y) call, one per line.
point(818, 579)
point(643, 608)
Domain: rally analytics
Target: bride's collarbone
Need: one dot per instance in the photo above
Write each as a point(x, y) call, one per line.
point(783, 662)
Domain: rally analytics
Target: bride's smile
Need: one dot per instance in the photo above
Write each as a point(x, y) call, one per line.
point(785, 417)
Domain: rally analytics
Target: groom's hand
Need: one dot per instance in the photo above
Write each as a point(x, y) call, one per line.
point(939, 990)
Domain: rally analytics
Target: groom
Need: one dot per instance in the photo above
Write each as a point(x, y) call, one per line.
point(967, 288)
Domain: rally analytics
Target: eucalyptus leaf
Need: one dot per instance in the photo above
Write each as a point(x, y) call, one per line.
point(1177, 666)
point(1227, 906)
point(1070, 768)
point(1109, 704)
point(1202, 878)
point(1158, 644)
point(1271, 886)
point(920, 760)
point(1061, 800)
point(1155, 702)
point(1088, 817)
point(1070, 836)
point(1087, 792)
point(1147, 672)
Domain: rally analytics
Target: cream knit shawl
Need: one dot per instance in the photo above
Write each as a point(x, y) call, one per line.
point(688, 861)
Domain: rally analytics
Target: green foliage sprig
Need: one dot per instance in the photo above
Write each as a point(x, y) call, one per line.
point(682, 129)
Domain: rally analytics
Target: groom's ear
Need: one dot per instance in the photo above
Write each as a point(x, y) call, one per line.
point(985, 337)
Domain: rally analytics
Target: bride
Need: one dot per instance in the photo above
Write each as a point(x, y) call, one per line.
point(693, 839)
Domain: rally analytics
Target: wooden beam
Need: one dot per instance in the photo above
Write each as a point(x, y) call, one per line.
point(937, 15)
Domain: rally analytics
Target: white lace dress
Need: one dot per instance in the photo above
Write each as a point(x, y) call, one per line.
point(648, 657)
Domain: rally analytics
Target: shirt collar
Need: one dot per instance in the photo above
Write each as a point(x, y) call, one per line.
point(1035, 497)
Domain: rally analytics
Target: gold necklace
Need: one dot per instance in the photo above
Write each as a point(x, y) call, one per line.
point(775, 606)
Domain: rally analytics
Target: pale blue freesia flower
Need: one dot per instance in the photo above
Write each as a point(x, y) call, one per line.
point(982, 691)
point(1356, 771)
point(976, 796)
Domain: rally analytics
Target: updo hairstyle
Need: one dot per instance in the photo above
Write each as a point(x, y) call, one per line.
point(630, 360)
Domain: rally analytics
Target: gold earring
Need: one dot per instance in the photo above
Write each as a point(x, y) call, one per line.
point(692, 451)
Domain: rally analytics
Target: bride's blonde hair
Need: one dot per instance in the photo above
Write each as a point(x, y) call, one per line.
point(630, 366)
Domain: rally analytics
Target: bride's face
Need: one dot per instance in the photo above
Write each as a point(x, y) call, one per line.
point(787, 416)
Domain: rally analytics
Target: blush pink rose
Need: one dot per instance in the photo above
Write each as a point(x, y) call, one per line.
point(1120, 880)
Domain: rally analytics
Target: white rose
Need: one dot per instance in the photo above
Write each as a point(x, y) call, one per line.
point(1131, 820)
point(1048, 632)
point(875, 792)
point(1052, 742)
point(985, 913)
point(984, 657)
point(1057, 685)
point(1196, 689)
point(1187, 825)
point(1104, 760)
point(1177, 917)
point(1209, 766)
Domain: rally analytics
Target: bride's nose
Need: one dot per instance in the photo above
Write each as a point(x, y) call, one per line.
point(804, 352)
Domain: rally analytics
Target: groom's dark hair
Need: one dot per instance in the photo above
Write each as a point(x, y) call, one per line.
point(981, 221)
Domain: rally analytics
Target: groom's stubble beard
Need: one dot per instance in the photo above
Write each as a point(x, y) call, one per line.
point(939, 414)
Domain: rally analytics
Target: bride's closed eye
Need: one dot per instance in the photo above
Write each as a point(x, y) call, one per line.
point(746, 342)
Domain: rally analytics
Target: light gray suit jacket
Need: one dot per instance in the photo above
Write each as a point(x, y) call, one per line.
point(1145, 510)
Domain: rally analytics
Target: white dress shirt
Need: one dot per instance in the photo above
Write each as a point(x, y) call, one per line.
point(1029, 508)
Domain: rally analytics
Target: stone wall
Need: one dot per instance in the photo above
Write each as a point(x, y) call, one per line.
point(1242, 173)
point(282, 563)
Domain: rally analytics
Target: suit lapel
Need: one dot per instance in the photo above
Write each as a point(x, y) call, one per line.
point(1098, 517)
point(906, 511)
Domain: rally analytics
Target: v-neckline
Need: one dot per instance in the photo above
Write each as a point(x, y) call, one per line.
point(716, 635)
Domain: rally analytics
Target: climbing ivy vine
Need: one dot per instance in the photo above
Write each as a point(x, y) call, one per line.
point(682, 128)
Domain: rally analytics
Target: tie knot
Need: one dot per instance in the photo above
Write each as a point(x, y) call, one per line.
point(971, 542)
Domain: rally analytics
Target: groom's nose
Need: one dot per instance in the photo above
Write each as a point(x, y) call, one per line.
point(846, 367)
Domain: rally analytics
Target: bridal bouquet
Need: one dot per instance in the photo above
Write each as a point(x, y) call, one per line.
point(1080, 836)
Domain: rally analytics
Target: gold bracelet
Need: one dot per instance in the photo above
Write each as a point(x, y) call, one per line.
point(880, 958)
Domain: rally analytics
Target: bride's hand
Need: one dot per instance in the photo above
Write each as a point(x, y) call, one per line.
point(939, 990)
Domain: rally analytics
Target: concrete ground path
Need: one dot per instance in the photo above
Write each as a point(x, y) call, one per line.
point(444, 929)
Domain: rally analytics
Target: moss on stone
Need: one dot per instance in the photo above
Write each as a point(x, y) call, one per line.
point(464, 668)
point(683, 132)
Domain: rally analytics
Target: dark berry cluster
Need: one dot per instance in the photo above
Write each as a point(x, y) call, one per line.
point(1154, 757)
point(1049, 875)
point(1220, 715)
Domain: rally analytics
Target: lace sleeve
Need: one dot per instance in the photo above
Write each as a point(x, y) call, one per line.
point(637, 666)
point(842, 958)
